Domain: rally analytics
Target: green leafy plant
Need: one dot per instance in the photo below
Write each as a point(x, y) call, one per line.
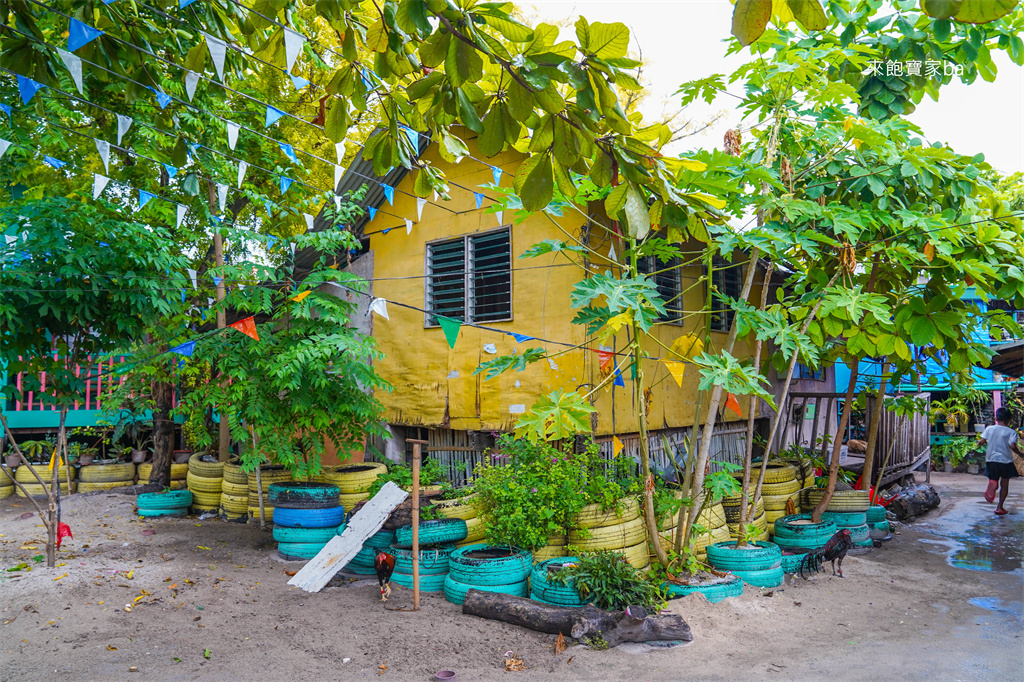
point(431, 473)
point(957, 449)
point(36, 451)
point(608, 581)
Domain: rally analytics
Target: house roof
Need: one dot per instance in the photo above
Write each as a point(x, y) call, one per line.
point(1009, 358)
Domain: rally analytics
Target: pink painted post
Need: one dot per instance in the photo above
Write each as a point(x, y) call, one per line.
point(997, 399)
point(17, 382)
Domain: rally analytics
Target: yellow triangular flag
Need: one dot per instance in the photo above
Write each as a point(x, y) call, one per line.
point(677, 369)
point(616, 446)
point(298, 298)
point(53, 459)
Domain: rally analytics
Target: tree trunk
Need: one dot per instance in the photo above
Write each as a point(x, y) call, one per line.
point(631, 625)
point(163, 434)
point(876, 420)
point(833, 465)
point(53, 508)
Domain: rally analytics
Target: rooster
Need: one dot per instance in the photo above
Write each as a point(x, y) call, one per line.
point(384, 564)
point(835, 548)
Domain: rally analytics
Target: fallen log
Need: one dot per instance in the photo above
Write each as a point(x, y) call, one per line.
point(632, 625)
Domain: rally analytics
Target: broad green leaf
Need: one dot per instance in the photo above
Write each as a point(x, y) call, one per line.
point(922, 331)
point(567, 143)
point(563, 180)
point(467, 112)
point(749, 19)
point(505, 363)
point(604, 41)
point(377, 37)
point(616, 200)
point(941, 9)
point(492, 139)
point(554, 417)
point(809, 13)
point(337, 120)
point(551, 246)
point(534, 182)
point(452, 149)
point(984, 11)
point(507, 26)
point(520, 101)
point(638, 220)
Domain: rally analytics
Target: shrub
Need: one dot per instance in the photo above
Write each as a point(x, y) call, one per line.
point(609, 582)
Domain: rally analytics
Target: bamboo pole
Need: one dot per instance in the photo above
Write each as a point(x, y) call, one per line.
point(416, 452)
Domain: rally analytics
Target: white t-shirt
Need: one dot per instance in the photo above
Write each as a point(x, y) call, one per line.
point(999, 439)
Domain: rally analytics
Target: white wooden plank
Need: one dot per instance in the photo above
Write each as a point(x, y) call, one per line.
point(340, 550)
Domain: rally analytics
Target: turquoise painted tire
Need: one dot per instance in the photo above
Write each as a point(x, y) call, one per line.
point(297, 495)
point(791, 562)
point(553, 593)
point(360, 566)
point(428, 582)
point(155, 513)
point(726, 557)
point(865, 543)
point(455, 591)
point(859, 534)
point(173, 499)
point(438, 532)
point(799, 544)
point(875, 514)
point(536, 597)
point(771, 577)
point(433, 560)
point(292, 551)
point(309, 518)
point(382, 539)
point(789, 533)
point(304, 535)
point(846, 519)
point(880, 530)
point(714, 593)
point(506, 566)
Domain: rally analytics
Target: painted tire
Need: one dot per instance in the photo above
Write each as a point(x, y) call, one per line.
point(731, 505)
point(791, 562)
point(877, 531)
point(175, 499)
point(233, 474)
point(865, 543)
point(294, 495)
point(309, 518)
point(429, 582)
point(352, 478)
point(304, 535)
point(713, 516)
point(785, 488)
point(198, 467)
point(234, 489)
point(801, 543)
point(638, 556)
point(299, 551)
point(551, 593)
point(349, 501)
point(846, 519)
point(6, 491)
point(592, 516)
point(455, 591)
point(90, 487)
point(382, 539)
point(476, 531)
point(761, 522)
point(875, 514)
point(778, 502)
point(234, 504)
point(536, 597)
point(23, 474)
point(155, 513)
point(206, 500)
point(550, 551)
point(461, 508)
point(842, 500)
point(232, 517)
point(726, 557)
point(36, 490)
point(860, 534)
point(178, 471)
point(202, 484)
point(254, 513)
point(437, 532)
point(714, 593)
point(107, 473)
point(779, 473)
point(609, 537)
point(790, 527)
point(511, 565)
point(769, 577)
point(433, 560)
point(275, 473)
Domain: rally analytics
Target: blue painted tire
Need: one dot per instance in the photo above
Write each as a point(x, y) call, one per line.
point(172, 499)
point(455, 591)
point(507, 566)
point(382, 539)
point(552, 593)
point(771, 577)
point(726, 557)
point(433, 560)
point(791, 562)
point(304, 535)
point(815, 534)
point(536, 597)
point(428, 582)
point(155, 513)
point(309, 518)
point(437, 532)
point(875, 514)
point(714, 593)
point(299, 551)
point(859, 534)
point(846, 519)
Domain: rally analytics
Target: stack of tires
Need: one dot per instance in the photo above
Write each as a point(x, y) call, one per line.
point(731, 506)
point(781, 485)
point(205, 481)
point(6, 482)
point(306, 517)
point(269, 475)
point(234, 493)
point(97, 477)
point(463, 508)
point(804, 468)
point(488, 568)
point(437, 540)
point(796, 535)
point(179, 474)
point(23, 475)
point(758, 563)
point(547, 592)
point(878, 525)
point(714, 520)
point(170, 503)
point(847, 509)
point(620, 530)
point(353, 480)
point(730, 586)
point(554, 548)
point(362, 562)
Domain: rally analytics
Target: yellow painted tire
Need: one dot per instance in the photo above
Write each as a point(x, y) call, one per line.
point(178, 472)
point(731, 506)
point(352, 478)
point(178, 485)
point(203, 484)
point(772, 515)
point(237, 504)
point(24, 475)
point(610, 537)
point(842, 500)
point(202, 508)
point(107, 473)
point(713, 516)
point(720, 534)
point(424, 489)
point(233, 474)
point(203, 499)
point(254, 514)
point(784, 488)
point(461, 508)
point(36, 490)
point(350, 500)
point(778, 502)
point(197, 467)
point(236, 489)
point(780, 473)
point(267, 477)
point(637, 555)
point(93, 487)
point(6, 491)
point(6, 476)
point(475, 530)
point(228, 515)
point(592, 516)
point(548, 552)
point(761, 522)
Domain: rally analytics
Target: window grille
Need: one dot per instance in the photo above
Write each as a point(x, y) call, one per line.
point(470, 278)
point(667, 279)
point(726, 281)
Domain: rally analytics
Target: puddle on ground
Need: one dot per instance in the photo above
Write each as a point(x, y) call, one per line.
point(1013, 609)
point(980, 543)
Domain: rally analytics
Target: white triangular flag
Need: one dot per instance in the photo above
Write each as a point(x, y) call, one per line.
point(292, 44)
point(408, 226)
point(435, 196)
point(242, 165)
point(191, 81)
point(339, 150)
point(103, 147)
point(74, 64)
point(380, 306)
point(222, 195)
point(233, 129)
point(182, 210)
point(4, 146)
point(123, 124)
point(420, 203)
point(500, 214)
point(611, 253)
point(218, 49)
point(338, 170)
point(99, 182)
point(193, 276)
point(337, 203)
point(309, 221)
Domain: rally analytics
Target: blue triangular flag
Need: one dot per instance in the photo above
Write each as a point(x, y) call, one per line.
point(185, 349)
point(162, 98)
point(479, 199)
point(217, 281)
point(272, 116)
point(520, 338)
point(181, 363)
point(298, 81)
point(271, 240)
point(171, 170)
point(109, 2)
point(27, 88)
point(104, 244)
point(366, 81)
point(618, 377)
point(80, 34)
point(414, 137)
point(497, 174)
point(286, 182)
point(288, 151)
point(182, 4)
point(216, 219)
point(269, 205)
point(144, 197)
point(56, 163)
point(182, 295)
point(385, 231)
point(372, 211)
point(6, 108)
point(389, 192)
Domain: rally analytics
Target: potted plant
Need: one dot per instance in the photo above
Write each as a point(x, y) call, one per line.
point(139, 431)
point(956, 451)
point(35, 451)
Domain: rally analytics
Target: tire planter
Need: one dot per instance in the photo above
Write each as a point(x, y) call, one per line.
point(294, 495)
point(437, 532)
point(89, 487)
point(156, 513)
point(201, 484)
point(609, 537)
point(846, 519)
point(860, 534)
point(732, 587)
point(460, 508)
point(761, 522)
point(296, 551)
point(178, 472)
point(876, 531)
point(108, 473)
point(484, 564)
point(554, 549)
point(636, 555)
point(731, 507)
point(36, 490)
point(274, 473)
point(175, 499)
point(234, 503)
point(233, 474)
point(352, 478)
point(288, 534)
point(768, 577)
point(308, 518)
point(875, 514)
point(205, 501)
point(776, 472)
point(796, 530)
point(551, 593)
point(779, 502)
point(6, 491)
point(761, 556)
point(23, 474)
point(842, 500)
point(382, 539)
point(784, 488)
point(348, 501)
point(791, 561)
point(433, 560)
point(234, 489)
point(455, 591)
point(198, 467)
point(592, 516)
point(429, 582)
point(475, 531)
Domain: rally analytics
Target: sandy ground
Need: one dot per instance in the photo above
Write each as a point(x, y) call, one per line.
point(941, 601)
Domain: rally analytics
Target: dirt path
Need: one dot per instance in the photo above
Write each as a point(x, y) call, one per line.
point(903, 612)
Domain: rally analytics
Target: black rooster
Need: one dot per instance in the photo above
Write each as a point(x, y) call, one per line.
point(384, 564)
point(835, 548)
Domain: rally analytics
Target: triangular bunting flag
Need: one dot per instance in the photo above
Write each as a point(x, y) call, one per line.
point(182, 4)
point(435, 196)
point(6, 108)
point(74, 65)
point(520, 338)
point(182, 210)
point(676, 369)
point(271, 240)
point(242, 166)
point(337, 202)
point(56, 163)
point(171, 170)
point(287, 150)
point(103, 147)
point(414, 137)
point(123, 124)
point(618, 377)
point(380, 306)
point(99, 183)
point(389, 192)
point(732, 404)
point(144, 197)
point(191, 81)
point(339, 151)
point(611, 253)
point(479, 199)
point(372, 211)
point(607, 357)
point(27, 88)
point(309, 221)
point(338, 171)
point(298, 81)
point(247, 326)
point(218, 49)
point(298, 298)
point(162, 98)
point(617, 446)
point(292, 45)
point(185, 349)
point(272, 116)
point(194, 276)
point(450, 328)
point(233, 129)
point(80, 34)
point(285, 183)
point(4, 146)
point(217, 281)
point(420, 203)
point(496, 172)
point(408, 226)
point(222, 195)
point(501, 217)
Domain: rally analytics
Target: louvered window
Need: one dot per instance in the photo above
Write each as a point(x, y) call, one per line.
point(667, 279)
point(470, 278)
point(726, 281)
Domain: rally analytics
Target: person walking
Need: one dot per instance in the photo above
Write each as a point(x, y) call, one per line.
point(1000, 444)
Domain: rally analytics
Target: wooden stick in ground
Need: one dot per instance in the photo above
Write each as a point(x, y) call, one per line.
point(24, 462)
point(416, 453)
point(259, 484)
point(876, 421)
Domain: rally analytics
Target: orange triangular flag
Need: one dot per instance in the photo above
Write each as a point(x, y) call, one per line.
point(248, 327)
point(606, 358)
point(616, 446)
point(676, 369)
point(298, 298)
point(732, 404)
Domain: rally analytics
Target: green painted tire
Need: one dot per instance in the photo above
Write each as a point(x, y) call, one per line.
point(714, 593)
point(538, 598)
point(791, 562)
point(429, 582)
point(859, 534)
point(770, 577)
point(551, 593)
point(174, 499)
point(789, 527)
point(437, 532)
point(455, 591)
point(297, 495)
point(875, 514)
point(382, 539)
point(846, 519)
point(726, 557)
point(156, 513)
point(304, 535)
point(433, 560)
point(506, 566)
point(299, 551)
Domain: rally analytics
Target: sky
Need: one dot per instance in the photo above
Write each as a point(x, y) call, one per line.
point(682, 40)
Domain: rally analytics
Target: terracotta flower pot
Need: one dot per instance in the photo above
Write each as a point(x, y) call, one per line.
point(139, 456)
point(85, 460)
point(12, 460)
point(181, 456)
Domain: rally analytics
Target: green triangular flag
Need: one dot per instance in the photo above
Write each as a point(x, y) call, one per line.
point(450, 328)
